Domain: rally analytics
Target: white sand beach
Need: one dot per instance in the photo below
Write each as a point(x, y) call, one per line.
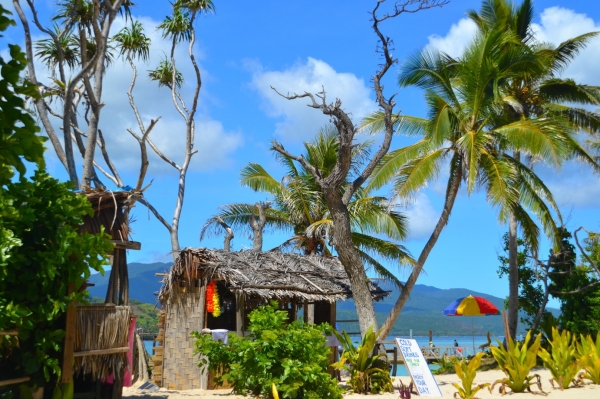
point(444, 382)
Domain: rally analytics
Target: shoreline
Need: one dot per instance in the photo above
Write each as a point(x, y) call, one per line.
point(444, 381)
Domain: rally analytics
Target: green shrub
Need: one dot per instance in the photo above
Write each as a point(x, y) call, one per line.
point(292, 356)
point(368, 372)
point(466, 372)
point(588, 354)
point(445, 364)
point(516, 362)
point(561, 360)
point(41, 252)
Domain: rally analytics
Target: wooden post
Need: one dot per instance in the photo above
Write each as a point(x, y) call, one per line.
point(506, 329)
point(430, 336)
point(332, 314)
point(310, 313)
point(69, 348)
point(123, 278)
point(294, 310)
point(239, 313)
point(112, 292)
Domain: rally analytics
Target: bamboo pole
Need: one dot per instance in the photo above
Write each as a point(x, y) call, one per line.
point(13, 381)
point(67, 365)
point(109, 351)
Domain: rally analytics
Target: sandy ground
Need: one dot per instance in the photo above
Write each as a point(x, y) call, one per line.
point(444, 382)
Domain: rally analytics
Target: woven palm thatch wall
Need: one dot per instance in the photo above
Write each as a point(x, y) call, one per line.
point(101, 327)
point(180, 366)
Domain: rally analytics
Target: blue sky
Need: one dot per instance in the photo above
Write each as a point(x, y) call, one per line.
point(297, 46)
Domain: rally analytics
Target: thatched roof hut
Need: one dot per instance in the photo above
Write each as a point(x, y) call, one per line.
point(244, 280)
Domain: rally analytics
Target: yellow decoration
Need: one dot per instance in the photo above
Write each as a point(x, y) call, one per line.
point(216, 303)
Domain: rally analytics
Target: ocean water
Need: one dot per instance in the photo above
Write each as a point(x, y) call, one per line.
point(439, 341)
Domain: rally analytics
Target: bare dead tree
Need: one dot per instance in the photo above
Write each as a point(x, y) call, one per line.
point(335, 190)
point(228, 234)
point(258, 226)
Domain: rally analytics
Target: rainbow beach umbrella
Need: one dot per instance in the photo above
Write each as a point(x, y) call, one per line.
point(471, 306)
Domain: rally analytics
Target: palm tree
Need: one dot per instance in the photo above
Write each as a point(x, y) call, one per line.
point(298, 207)
point(537, 94)
point(462, 132)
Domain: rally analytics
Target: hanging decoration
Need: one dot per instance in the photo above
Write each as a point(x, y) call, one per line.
point(213, 302)
point(210, 292)
point(216, 303)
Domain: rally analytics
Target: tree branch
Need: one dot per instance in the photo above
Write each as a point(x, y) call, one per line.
point(156, 214)
point(161, 155)
point(585, 255)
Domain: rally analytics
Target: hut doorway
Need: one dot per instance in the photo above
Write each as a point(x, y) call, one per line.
point(226, 319)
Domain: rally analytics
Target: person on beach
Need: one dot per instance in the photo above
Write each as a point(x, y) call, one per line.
point(457, 350)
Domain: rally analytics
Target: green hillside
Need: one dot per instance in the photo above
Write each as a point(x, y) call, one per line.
point(143, 284)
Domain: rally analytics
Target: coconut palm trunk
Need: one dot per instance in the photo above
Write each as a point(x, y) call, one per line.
point(452, 191)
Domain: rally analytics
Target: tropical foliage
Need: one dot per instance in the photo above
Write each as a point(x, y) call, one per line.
point(19, 141)
point(466, 371)
point(561, 360)
point(368, 370)
point(298, 207)
point(531, 292)
point(34, 276)
point(41, 250)
point(579, 308)
point(588, 354)
point(291, 356)
point(516, 360)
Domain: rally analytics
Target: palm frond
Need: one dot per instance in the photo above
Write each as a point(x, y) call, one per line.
point(393, 161)
point(415, 174)
point(257, 178)
point(542, 137)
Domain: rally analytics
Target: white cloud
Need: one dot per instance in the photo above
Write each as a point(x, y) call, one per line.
point(575, 185)
point(559, 24)
point(456, 40)
point(298, 120)
point(422, 216)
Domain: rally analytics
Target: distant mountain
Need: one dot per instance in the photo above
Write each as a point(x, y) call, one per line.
point(142, 281)
point(422, 312)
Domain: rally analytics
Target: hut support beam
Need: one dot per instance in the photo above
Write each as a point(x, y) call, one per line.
point(239, 313)
point(309, 312)
point(332, 314)
point(113, 281)
point(67, 365)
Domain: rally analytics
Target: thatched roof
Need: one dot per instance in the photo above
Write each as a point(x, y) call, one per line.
point(268, 275)
point(109, 211)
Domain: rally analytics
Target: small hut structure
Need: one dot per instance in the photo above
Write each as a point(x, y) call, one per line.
point(99, 337)
point(244, 280)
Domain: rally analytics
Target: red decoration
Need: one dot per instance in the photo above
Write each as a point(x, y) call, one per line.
point(210, 293)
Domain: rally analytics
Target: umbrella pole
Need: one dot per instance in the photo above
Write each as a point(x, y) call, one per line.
point(473, 335)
